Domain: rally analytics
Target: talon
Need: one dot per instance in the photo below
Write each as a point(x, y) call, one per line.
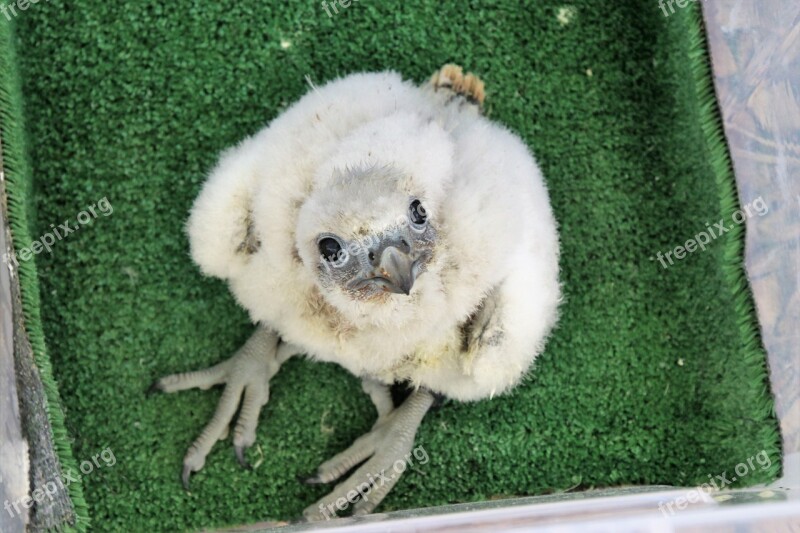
point(299, 520)
point(154, 388)
point(309, 479)
point(187, 473)
point(241, 458)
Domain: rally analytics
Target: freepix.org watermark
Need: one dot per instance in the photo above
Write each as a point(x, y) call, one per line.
point(716, 483)
point(704, 238)
point(45, 242)
point(104, 459)
point(344, 4)
point(10, 9)
point(664, 4)
point(368, 485)
point(363, 246)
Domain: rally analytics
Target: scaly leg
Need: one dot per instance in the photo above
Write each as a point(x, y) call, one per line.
point(388, 443)
point(246, 376)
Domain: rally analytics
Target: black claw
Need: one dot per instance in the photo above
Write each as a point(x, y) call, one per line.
point(241, 458)
point(187, 473)
point(310, 479)
point(438, 401)
point(154, 388)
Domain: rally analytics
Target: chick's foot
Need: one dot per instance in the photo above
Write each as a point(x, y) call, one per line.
point(246, 377)
point(387, 448)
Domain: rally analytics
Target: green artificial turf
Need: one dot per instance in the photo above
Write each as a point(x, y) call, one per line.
point(653, 376)
point(16, 173)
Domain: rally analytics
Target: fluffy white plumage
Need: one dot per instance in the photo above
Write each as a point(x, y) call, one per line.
point(391, 229)
point(345, 159)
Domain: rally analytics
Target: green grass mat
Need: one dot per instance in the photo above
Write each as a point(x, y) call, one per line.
point(654, 375)
point(16, 173)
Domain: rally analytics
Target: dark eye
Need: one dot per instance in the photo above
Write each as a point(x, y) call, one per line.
point(417, 213)
point(330, 249)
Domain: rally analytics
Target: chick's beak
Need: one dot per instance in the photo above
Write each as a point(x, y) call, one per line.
point(395, 272)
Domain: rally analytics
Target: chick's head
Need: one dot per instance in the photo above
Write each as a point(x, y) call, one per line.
point(369, 237)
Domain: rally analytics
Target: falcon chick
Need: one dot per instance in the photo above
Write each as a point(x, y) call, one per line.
point(389, 228)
